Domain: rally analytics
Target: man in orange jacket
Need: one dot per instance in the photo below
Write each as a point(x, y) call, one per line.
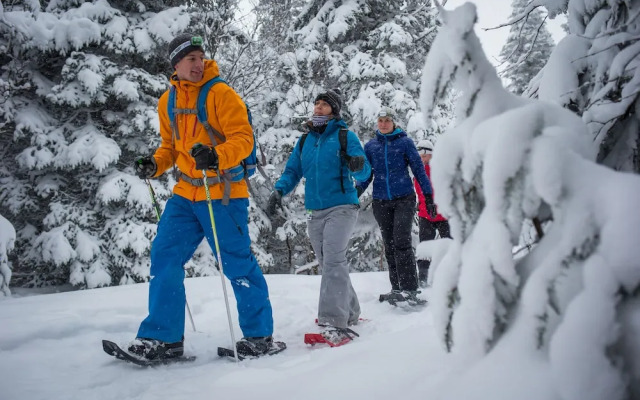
point(186, 221)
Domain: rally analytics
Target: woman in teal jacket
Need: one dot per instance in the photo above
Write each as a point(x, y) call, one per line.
point(332, 207)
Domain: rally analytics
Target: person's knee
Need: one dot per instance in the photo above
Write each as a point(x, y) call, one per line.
point(403, 242)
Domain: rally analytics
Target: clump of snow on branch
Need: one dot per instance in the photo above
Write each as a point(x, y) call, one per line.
point(7, 241)
point(508, 160)
point(593, 71)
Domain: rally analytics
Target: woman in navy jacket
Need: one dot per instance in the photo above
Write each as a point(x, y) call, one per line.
point(391, 154)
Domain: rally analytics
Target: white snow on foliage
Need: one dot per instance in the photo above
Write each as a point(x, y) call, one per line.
point(342, 17)
point(7, 241)
point(509, 159)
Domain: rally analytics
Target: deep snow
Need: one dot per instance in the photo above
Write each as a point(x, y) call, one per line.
point(50, 348)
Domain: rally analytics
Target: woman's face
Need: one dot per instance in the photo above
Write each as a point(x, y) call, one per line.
point(425, 157)
point(321, 107)
point(385, 125)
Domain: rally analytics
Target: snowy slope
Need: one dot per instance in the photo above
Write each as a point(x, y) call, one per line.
point(50, 349)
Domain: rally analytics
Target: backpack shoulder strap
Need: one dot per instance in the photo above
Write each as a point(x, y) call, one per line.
point(202, 97)
point(171, 103)
point(171, 111)
point(201, 107)
point(342, 137)
point(302, 140)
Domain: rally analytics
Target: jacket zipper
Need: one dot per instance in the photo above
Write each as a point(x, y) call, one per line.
point(386, 165)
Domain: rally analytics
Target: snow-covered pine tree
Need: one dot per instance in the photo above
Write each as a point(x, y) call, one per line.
point(527, 49)
point(570, 302)
point(599, 60)
point(7, 241)
point(249, 59)
point(82, 81)
point(283, 239)
point(371, 50)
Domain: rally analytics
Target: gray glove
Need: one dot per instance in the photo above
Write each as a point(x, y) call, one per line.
point(145, 167)
point(355, 164)
point(275, 200)
point(431, 207)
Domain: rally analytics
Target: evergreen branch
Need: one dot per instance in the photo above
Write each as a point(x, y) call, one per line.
point(606, 100)
point(622, 28)
point(622, 45)
point(525, 14)
point(519, 42)
point(521, 60)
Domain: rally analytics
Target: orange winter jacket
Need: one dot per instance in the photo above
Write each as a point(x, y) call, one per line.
point(227, 114)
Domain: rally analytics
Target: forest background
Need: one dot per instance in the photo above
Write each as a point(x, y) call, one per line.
point(80, 83)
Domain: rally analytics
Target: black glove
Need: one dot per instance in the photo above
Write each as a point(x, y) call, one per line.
point(206, 157)
point(431, 207)
point(145, 167)
point(355, 163)
point(275, 200)
point(359, 190)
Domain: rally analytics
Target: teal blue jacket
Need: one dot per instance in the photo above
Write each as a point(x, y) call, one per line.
point(321, 165)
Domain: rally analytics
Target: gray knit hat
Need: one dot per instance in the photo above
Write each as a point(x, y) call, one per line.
point(334, 98)
point(182, 45)
point(387, 112)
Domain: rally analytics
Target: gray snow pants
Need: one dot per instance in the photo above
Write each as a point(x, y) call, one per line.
point(330, 230)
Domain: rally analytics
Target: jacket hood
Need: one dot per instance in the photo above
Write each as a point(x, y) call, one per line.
point(397, 133)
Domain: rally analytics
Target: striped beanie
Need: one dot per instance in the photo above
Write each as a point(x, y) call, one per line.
point(182, 45)
point(334, 98)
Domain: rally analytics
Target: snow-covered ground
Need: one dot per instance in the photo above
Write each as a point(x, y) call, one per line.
point(50, 348)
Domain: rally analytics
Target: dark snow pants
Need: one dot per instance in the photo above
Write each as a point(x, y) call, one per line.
point(395, 218)
point(428, 232)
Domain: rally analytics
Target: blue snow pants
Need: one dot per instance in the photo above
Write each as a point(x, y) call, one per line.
point(181, 228)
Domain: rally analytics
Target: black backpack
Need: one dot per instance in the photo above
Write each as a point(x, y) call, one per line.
point(342, 138)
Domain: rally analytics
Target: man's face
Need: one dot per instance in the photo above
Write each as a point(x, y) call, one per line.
point(191, 67)
point(321, 107)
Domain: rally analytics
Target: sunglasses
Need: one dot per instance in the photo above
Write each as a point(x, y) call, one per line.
point(424, 151)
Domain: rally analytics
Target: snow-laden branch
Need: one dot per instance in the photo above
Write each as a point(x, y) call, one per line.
point(7, 241)
point(508, 160)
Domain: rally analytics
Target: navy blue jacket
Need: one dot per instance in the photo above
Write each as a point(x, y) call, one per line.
point(390, 155)
point(320, 164)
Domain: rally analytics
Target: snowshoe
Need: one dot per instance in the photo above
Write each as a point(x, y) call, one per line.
point(408, 297)
point(114, 350)
point(253, 347)
point(332, 336)
point(394, 295)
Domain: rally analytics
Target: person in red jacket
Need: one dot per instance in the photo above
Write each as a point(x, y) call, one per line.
point(427, 224)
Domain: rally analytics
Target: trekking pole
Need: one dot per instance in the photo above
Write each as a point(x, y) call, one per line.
point(217, 246)
point(156, 207)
